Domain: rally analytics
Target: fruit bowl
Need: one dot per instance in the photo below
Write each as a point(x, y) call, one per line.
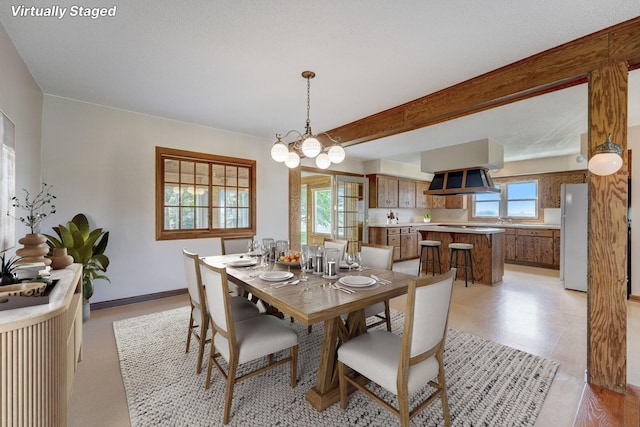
point(292, 259)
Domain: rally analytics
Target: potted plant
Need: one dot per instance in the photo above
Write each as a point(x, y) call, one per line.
point(426, 217)
point(87, 247)
point(7, 267)
point(36, 209)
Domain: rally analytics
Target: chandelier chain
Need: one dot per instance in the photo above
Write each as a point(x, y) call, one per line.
point(309, 105)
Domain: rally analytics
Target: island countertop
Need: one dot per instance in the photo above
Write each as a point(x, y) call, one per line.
point(460, 229)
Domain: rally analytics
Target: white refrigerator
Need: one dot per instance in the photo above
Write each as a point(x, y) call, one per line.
point(573, 236)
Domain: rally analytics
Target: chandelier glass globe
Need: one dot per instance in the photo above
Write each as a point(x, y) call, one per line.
point(323, 161)
point(279, 151)
point(311, 147)
point(292, 160)
point(336, 153)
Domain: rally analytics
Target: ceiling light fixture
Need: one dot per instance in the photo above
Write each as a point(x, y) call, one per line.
point(607, 158)
point(306, 143)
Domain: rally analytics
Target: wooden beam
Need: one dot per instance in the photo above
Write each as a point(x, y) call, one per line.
point(556, 68)
point(607, 233)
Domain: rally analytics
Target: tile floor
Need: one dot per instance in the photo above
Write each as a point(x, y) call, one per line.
point(529, 310)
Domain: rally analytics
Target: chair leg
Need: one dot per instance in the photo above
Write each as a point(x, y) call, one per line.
point(294, 366)
point(471, 267)
point(403, 408)
point(343, 385)
point(231, 381)
point(189, 331)
point(387, 315)
point(203, 341)
point(439, 262)
point(210, 365)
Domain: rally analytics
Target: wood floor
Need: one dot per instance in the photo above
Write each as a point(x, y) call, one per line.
point(529, 310)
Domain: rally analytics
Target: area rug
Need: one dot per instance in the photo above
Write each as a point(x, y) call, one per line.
point(489, 384)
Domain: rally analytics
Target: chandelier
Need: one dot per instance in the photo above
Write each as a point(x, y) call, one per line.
point(306, 143)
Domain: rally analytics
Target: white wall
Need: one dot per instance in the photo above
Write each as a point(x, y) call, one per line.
point(21, 101)
point(101, 162)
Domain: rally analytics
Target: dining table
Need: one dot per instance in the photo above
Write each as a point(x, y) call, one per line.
point(318, 299)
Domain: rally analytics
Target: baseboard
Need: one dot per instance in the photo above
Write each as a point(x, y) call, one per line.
point(634, 298)
point(136, 299)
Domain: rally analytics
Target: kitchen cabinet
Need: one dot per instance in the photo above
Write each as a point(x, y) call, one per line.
point(439, 202)
point(510, 245)
point(423, 200)
point(556, 249)
point(550, 186)
point(404, 240)
point(383, 191)
point(535, 247)
point(406, 194)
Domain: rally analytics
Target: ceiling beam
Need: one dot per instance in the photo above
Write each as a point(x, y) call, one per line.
point(557, 68)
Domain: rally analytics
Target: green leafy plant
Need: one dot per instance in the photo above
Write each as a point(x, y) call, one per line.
point(7, 266)
point(37, 209)
point(87, 247)
point(427, 216)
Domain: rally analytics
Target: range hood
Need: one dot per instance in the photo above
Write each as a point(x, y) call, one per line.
point(461, 181)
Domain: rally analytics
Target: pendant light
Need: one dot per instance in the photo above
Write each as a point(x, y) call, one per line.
point(306, 144)
point(607, 158)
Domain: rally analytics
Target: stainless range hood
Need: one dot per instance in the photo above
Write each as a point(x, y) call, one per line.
point(461, 181)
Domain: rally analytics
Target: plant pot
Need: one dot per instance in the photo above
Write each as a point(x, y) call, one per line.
point(86, 310)
point(33, 251)
point(426, 219)
point(60, 259)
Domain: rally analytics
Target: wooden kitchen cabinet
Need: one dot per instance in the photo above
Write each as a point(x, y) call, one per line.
point(556, 249)
point(406, 194)
point(510, 245)
point(404, 241)
point(535, 247)
point(383, 191)
point(439, 202)
point(551, 183)
point(423, 200)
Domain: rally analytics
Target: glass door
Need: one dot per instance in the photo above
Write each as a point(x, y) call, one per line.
point(352, 203)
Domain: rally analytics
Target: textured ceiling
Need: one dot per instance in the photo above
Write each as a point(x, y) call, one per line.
point(236, 64)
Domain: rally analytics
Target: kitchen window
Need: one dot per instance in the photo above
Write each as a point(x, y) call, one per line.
point(518, 199)
point(203, 195)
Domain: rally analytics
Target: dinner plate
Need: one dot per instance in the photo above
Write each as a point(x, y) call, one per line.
point(276, 276)
point(242, 262)
point(357, 281)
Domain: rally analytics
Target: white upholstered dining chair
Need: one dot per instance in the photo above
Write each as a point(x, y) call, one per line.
point(377, 256)
point(235, 245)
point(340, 245)
point(199, 317)
point(238, 342)
point(404, 364)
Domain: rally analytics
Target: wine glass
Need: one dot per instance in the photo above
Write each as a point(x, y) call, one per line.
point(256, 247)
point(304, 260)
point(351, 258)
point(266, 253)
point(358, 260)
point(249, 246)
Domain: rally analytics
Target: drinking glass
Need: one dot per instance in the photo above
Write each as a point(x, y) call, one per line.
point(256, 246)
point(282, 248)
point(266, 254)
point(249, 246)
point(358, 260)
point(350, 259)
point(304, 260)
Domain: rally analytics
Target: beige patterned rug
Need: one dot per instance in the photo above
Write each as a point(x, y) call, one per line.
point(489, 384)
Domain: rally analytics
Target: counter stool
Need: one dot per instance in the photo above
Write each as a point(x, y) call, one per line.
point(465, 248)
point(432, 246)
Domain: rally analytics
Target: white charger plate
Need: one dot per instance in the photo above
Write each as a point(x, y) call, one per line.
point(276, 276)
point(357, 281)
point(242, 262)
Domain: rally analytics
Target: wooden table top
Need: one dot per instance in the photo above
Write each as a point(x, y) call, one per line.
point(312, 301)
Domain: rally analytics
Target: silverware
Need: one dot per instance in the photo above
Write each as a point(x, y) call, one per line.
point(290, 283)
point(383, 281)
point(340, 288)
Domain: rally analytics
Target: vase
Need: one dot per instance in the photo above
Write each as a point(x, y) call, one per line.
point(33, 251)
point(60, 259)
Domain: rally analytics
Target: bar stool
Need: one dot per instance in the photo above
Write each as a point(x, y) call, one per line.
point(432, 246)
point(465, 248)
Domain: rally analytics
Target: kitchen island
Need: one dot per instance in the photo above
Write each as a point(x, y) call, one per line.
point(487, 254)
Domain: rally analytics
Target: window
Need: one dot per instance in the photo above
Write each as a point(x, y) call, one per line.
point(518, 199)
point(322, 211)
point(203, 195)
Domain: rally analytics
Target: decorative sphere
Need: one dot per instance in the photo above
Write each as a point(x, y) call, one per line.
point(336, 153)
point(311, 147)
point(323, 161)
point(279, 152)
point(292, 160)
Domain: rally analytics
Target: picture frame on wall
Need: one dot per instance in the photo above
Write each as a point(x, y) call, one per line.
point(7, 182)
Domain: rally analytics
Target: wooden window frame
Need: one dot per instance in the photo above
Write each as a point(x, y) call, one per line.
point(163, 153)
point(504, 200)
